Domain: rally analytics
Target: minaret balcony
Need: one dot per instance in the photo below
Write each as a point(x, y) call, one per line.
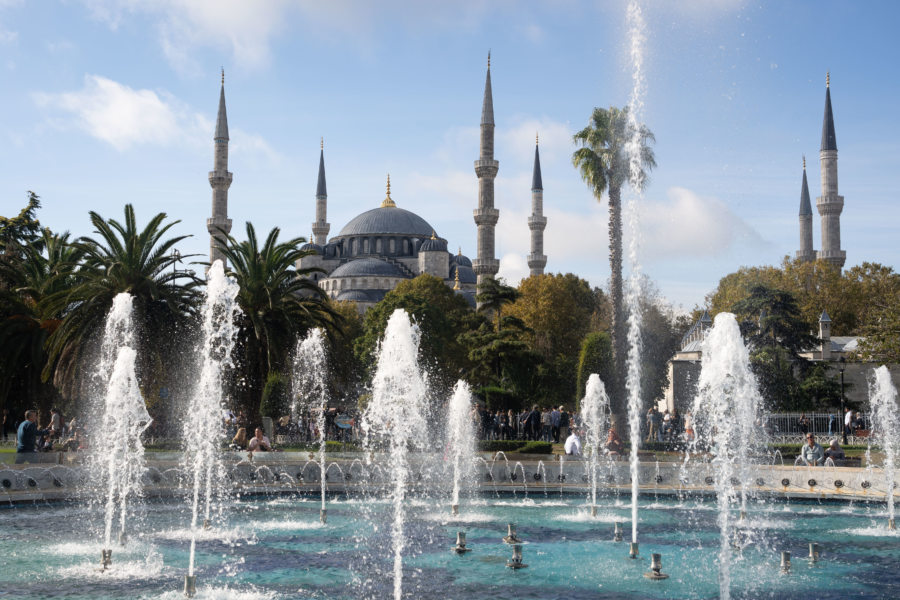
point(485, 266)
point(220, 178)
point(215, 224)
point(486, 216)
point(537, 222)
point(486, 167)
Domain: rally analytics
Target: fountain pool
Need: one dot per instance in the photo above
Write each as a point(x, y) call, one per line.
point(275, 547)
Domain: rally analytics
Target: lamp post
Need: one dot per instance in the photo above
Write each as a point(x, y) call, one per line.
point(841, 365)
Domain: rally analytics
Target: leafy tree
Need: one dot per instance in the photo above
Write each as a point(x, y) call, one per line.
point(603, 163)
point(771, 317)
point(346, 370)
point(16, 232)
point(276, 397)
point(595, 357)
point(278, 302)
point(819, 391)
point(501, 360)
point(441, 315)
point(122, 259)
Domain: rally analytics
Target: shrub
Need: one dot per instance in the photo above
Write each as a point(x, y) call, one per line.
point(536, 448)
point(500, 445)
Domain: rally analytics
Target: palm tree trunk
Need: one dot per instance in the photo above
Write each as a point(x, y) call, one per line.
point(619, 335)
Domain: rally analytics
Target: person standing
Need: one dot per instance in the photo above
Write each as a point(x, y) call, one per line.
point(27, 437)
point(4, 425)
point(546, 434)
point(848, 419)
point(563, 423)
point(554, 425)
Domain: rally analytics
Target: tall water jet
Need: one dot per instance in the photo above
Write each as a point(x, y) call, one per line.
point(119, 461)
point(203, 428)
point(635, 153)
point(885, 429)
point(311, 391)
point(725, 411)
point(595, 418)
point(396, 414)
point(460, 439)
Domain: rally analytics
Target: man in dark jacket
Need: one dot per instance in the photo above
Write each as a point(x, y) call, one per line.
point(27, 437)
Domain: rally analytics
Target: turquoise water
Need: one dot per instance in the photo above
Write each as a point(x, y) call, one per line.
point(275, 547)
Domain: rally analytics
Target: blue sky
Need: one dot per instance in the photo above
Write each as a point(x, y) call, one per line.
point(106, 102)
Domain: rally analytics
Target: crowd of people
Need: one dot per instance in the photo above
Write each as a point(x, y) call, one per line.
point(340, 425)
point(31, 438)
point(545, 424)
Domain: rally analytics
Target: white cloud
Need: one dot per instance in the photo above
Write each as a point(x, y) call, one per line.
point(513, 268)
point(690, 225)
point(124, 117)
point(117, 114)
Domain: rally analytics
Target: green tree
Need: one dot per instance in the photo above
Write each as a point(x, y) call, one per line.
point(278, 303)
point(603, 163)
point(122, 259)
point(276, 396)
point(501, 361)
point(595, 357)
point(26, 323)
point(19, 231)
point(441, 315)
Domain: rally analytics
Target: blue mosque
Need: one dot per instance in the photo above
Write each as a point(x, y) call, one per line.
point(387, 244)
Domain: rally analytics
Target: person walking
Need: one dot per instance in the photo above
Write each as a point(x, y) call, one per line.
point(563, 423)
point(554, 425)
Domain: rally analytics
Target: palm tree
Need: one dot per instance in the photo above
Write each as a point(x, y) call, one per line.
point(122, 259)
point(25, 321)
point(603, 163)
point(493, 296)
point(279, 303)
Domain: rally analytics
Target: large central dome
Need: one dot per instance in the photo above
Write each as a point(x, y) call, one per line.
point(387, 220)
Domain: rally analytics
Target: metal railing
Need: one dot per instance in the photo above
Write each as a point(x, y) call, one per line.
point(788, 426)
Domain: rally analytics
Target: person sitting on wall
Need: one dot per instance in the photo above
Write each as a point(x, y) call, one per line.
point(260, 443)
point(614, 443)
point(834, 452)
point(27, 437)
point(573, 444)
point(811, 452)
point(239, 442)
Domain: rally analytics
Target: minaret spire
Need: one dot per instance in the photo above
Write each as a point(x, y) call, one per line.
point(219, 180)
point(537, 221)
point(830, 204)
point(486, 216)
point(806, 252)
point(321, 227)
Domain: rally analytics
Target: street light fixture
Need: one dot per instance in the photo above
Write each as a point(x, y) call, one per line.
point(841, 366)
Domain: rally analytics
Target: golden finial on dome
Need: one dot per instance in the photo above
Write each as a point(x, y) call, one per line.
point(387, 202)
point(459, 253)
point(433, 236)
point(827, 79)
point(456, 280)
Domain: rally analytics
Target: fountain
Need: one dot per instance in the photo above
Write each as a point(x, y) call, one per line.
point(885, 430)
point(460, 439)
point(634, 154)
point(460, 547)
point(203, 425)
point(395, 416)
point(310, 369)
point(594, 418)
point(725, 410)
point(119, 463)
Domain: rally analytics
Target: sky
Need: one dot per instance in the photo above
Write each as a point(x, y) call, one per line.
point(106, 102)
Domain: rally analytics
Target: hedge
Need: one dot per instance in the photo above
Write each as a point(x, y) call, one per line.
point(536, 448)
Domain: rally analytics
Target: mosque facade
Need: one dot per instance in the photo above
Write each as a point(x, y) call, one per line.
point(388, 244)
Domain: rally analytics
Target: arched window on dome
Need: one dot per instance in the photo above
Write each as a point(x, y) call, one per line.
point(365, 249)
point(378, 245)
point(392, 245)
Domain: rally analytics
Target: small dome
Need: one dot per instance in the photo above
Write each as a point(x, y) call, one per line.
point(312, 246)
point(462, 261)
point(354, 296)
point(433, 245)
point(466, 274)
point(387, 220)
point(367, 267)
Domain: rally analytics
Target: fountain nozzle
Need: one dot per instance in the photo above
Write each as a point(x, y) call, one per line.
point(190, 586)
point(516, 561)
point(454, 509)
point(323, 515)
point(123, 537)
point(511, 537)
point(785, 562)
point(891, 525)
point(813, 552)
point(105, 559)
point(655, 573)
point(617, 534)
point(206, 524)
point(743, 516)
point(633, 550)
point(593, 511)
point(460, 547)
